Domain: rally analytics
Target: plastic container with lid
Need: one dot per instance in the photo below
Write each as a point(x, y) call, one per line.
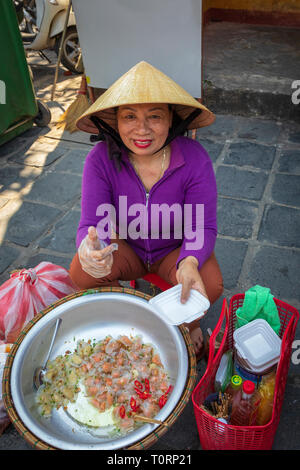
point(257, 346)
point(169, 306)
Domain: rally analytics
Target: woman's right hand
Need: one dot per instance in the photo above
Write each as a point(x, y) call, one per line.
point(94, 260)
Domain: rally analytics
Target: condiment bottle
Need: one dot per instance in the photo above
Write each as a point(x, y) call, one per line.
point(234, 388)
point(244, 410)
point(234, 385)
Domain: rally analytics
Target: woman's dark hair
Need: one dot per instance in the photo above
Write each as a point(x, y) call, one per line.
point(115, 143)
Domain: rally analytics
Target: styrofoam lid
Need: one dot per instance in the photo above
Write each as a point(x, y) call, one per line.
point(169, 306)
point(258, 344)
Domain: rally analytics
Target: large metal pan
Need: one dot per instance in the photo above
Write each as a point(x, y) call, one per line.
point(87, 315)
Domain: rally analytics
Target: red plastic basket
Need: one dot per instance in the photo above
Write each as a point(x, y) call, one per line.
point(212, 433)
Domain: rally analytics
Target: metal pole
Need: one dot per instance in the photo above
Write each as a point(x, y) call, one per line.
point(60, 48)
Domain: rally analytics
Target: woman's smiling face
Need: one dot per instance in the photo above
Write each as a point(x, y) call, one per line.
point(144, 127)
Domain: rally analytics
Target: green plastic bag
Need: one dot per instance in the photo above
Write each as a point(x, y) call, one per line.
point(258, 303)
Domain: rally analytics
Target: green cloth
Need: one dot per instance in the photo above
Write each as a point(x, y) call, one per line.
point(258, 303)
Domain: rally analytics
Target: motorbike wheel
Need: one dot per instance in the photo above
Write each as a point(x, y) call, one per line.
point(70, 50)
point(43, 118)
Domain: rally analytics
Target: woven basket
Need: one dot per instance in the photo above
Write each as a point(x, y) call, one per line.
point(145, 443)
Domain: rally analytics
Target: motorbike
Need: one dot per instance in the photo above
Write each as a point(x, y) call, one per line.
point(50, 16)
point(26, 12)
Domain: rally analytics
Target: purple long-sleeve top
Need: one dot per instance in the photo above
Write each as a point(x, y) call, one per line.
point(154, 223)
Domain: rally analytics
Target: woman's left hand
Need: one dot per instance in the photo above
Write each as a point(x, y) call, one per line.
point(188, 275)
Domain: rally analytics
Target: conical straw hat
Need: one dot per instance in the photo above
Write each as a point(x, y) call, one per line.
point(143, 83)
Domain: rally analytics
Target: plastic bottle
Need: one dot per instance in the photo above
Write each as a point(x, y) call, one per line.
point(234, 385)
point(244, 410)
point(234, 388)
point(224, 372)
point(266, 391)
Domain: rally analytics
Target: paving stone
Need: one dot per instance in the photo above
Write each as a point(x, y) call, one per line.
point(12, 441)
point(50, 258)
point(280, 225)
point(57, 188)
point(278, 269)
point(23, 141)
point(284, 438)
point(73, 162)
point(213, 148)
point(236, 218)
point(235, 182)
point(289, 162)
point(259, 129)
point(77, 205)
point(224, 125)
point(250, 154)
point(294, 137)
point(12, 178)
point(230, 255)
point(39, 157)
point(174, 439)
point(29, 222)
point(7, 255)
point(62, 237)
point(286, 189)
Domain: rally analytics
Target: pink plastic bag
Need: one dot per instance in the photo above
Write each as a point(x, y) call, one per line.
point(27, 292)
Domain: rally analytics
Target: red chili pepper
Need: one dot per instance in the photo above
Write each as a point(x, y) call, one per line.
point(142, 395)
point(133, 405)
point(163, 400)
point(147, 385)
point(138, 385)
point(122, 411)
point(138, 392)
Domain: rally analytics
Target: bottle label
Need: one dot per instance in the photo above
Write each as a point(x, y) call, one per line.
point(236, 380)
point(247, 375)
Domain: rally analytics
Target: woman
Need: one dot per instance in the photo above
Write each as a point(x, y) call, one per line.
point(148, 191)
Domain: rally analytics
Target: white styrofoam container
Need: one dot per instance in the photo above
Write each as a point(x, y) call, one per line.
point(257, 345)
point(169, 306)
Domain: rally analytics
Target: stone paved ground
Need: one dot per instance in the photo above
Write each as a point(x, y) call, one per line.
point(257, 165)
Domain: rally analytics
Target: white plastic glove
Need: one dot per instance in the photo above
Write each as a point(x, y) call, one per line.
point(95, 256)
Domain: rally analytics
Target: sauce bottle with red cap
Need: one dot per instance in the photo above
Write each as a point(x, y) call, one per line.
point(244, 410)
